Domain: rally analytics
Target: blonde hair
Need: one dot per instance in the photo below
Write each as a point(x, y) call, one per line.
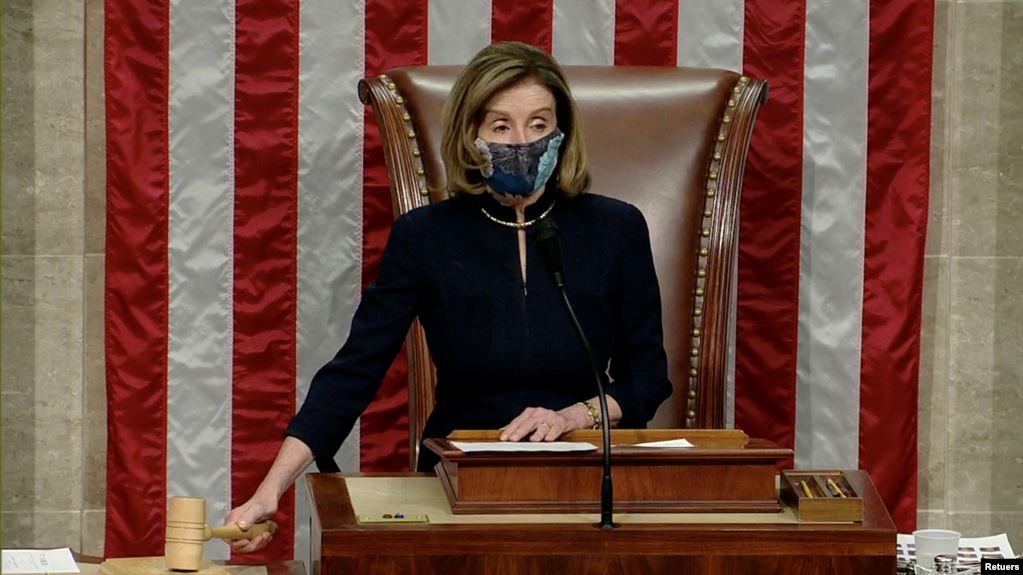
point(493, 69)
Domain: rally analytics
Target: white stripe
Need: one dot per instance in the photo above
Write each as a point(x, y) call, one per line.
point(457, 29)
point(329, 202)
point(199, 355)
point(584, 32)
point(710, 33)
point(831, 242)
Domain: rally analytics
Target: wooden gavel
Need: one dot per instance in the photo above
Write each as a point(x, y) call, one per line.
point(187, 532)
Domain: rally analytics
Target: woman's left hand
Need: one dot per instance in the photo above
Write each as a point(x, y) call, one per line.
point(542, 424)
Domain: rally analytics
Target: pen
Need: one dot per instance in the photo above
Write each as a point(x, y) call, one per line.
point(806, 489)
point(829, 488)
point(833, 485)
point(829, 485)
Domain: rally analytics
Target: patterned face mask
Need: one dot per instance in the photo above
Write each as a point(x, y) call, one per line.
point(520, 169)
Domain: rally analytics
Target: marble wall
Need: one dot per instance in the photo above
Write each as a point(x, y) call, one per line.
point(53, 484)
point(53, 400)
point(971, 467)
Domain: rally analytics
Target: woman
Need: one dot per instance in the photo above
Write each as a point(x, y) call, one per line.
point(506, 352)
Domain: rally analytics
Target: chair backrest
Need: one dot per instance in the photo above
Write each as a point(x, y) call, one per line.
point(671, 141)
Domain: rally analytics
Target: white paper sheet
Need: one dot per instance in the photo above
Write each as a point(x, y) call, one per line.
point(664, 443)
point(24, 561)
point(522, 446)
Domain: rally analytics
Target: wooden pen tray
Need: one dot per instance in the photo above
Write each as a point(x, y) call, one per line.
point(821, 495)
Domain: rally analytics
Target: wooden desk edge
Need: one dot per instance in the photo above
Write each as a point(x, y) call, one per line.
point(329, 491)
point(292, 567)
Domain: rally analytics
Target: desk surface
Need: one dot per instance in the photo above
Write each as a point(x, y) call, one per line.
point(90, 565)
point(676, 543)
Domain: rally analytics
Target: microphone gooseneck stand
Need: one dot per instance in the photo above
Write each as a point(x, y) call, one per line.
point(548, 242)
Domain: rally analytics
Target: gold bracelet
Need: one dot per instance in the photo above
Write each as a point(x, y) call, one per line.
point(593, 413)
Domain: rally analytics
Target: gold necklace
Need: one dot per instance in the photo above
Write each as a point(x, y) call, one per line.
point(518, 225)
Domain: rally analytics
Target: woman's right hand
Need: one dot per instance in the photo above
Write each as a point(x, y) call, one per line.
point(293, 457)
point(258, 508)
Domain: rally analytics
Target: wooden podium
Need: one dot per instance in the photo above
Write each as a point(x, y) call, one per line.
point(726, 471)
point(403, 523)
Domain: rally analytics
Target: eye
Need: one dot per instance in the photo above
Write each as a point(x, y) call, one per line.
point(538, 126)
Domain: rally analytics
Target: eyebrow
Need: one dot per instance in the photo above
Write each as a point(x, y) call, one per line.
point(536, 112)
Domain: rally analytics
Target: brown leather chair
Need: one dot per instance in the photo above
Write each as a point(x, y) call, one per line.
point(671, 141)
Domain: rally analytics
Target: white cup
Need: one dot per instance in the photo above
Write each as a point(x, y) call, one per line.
point(932, 542)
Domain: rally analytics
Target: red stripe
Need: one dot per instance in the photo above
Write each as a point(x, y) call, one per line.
point(529, 21)
point(265, 250)
point(395, 36)
point(646, 32)
point(898, 175)
point(768, 306)
point(136, 298)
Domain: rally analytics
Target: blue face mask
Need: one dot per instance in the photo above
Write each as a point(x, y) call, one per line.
point(519, 169)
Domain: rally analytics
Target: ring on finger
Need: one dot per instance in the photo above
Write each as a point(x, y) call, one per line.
point(545, 424)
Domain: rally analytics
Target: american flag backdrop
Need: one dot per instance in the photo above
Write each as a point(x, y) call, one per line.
point(247, 206)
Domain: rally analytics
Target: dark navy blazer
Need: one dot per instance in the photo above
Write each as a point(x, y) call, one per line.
point(501, 345)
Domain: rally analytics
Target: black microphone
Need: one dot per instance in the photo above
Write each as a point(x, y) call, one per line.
point(548, 242)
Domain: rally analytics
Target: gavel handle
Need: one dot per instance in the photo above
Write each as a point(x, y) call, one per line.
point(234, 532)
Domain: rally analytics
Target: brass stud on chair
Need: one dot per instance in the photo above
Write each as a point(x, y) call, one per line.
point(415, 152)
point(424, 192)
point(698, 312)
point(399, 100)
point(693, 372)
point(701, 273)
point(412, 133)
point(717, 155)
point(706, 232)
point(699, 293)
point(727, 119)
point(420, 171)
point(405, 116)
point(721, 137)
point(692, 394)
point(707, 212)
point(711, 191)
point(713, 175)
point(691, 414)
point(704, 252)
point(696, 332)
point(694, 352)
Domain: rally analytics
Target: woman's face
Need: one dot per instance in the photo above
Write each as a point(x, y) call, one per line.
point(519, 114)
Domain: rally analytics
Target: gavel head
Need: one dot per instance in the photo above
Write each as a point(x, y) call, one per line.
point(186, 533)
